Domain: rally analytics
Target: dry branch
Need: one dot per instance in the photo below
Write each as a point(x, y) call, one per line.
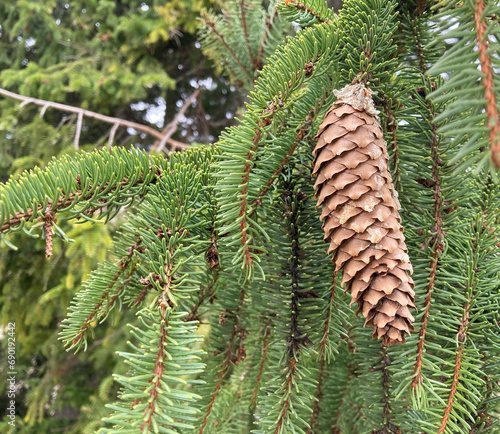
point(87, 113)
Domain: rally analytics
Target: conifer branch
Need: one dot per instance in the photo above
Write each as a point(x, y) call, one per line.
point(326, 328)
point(267, 28)
point(437, 249)
point(112, 292)
point(392, 127)
point(157, 373)
point(302, 7)
point(461, 339)
point(264, 351)
point(63, 203)
point(165, 306)
point(228, 357)
point(301, 133)
point(493, 121)
point(314, 420)
point(245, 32)
point(141, 296)
point(387, 427)
point(287, 387)
point(437, 228)
point(243, 201)
point(90, 114)
point(211, 24)
point(207, 292)
point(296, 337)
point(351, 372)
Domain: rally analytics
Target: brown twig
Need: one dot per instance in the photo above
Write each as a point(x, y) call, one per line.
point(265, 347)
point(439, 234)
point(314, 419)
point(303, 7)
point(243, 200)
point(171, 127)
point(219, 35)
point(489, 93)
point(461, 337)
point(245, 32)
point(387, 427)
point(326, 328)
point(288, 386)
point(49, 216)
point(228, 357)
point(269, 22)
point(89, 114)
point(122, 266)
point(165, 305)
point(437, 249)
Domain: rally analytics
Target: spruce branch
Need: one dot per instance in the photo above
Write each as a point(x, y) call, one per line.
point(302, 132)
point(95, 302)
point(263, 360)
point(437, 247)
point(318, 394)
point(165, 305)
point(62, 205)
point(461, 338)
point(243, 7)
point(270, 18)
point(323, 353)
point(351, 373)
point(493, 122)
point(310, 11)
point(438, 236)
point(388, 427)
point(229, 354)
point(211, 24)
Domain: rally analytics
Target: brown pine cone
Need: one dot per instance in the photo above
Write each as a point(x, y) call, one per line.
point(360, 214)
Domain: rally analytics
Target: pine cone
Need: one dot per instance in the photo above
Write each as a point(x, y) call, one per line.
point(360, 214)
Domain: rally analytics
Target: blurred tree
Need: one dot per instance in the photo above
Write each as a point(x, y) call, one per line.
point(136, 60)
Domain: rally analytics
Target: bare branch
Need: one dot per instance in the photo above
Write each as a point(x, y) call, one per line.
point(79, 125)
point(171, 127)
point(103, 118)
point(112, 135)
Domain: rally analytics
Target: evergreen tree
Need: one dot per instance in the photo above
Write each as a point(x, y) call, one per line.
point(242, 321)
point(73, 55)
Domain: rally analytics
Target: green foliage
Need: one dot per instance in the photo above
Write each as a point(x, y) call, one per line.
point(308, 13)
point(470, 112)
point(130, 59)
point(241, 40)
point(238, 321)
point(267, 118)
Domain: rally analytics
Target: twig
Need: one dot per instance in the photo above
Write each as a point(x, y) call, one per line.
point(171, 127)
point(267, 28)
point(81, 112)
point(219, 35)
point(79, 125)
point(112, 135)
point(245, 32)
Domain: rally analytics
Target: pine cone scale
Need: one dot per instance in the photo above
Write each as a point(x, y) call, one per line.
point(359, 210)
